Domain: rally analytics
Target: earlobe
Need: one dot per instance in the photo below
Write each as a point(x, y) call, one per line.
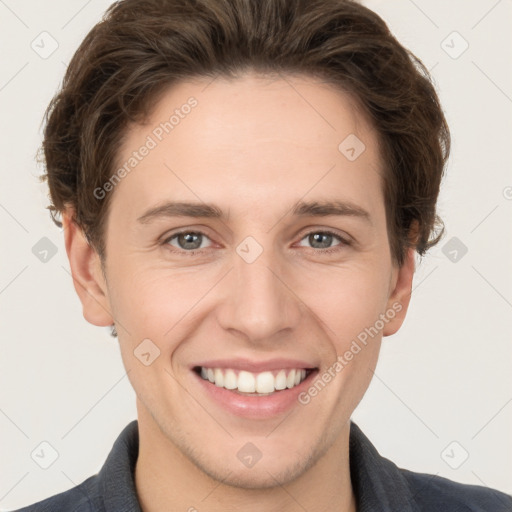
point(400, 297)
point(86, 272)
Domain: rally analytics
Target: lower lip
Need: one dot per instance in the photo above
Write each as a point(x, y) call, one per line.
point(255, 407)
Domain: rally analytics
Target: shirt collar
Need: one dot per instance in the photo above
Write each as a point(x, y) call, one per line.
point(378, 483)
point(117, 476)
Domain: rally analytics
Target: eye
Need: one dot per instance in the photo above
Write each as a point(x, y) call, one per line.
point(188, 241)
point(192, 242)
point(323, 240)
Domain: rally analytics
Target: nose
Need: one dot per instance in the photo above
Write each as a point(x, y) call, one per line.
point(260, 304)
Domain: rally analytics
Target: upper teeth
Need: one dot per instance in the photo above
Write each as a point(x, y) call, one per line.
point(248, 382)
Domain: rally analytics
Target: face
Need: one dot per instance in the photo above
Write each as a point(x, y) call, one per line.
point(267, 275)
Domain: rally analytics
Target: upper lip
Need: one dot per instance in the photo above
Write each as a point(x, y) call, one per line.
point(253, 366)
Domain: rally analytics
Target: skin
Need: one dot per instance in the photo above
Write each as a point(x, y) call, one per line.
point(253, 146)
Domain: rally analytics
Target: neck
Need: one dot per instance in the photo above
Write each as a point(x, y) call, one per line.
point(166, 479)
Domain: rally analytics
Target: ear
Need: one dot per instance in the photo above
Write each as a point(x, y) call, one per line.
point(87, 275)
point(400, 296)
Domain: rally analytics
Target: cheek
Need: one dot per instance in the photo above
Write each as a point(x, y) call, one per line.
point(347, 300)
point(151, 302)
point(351, 308)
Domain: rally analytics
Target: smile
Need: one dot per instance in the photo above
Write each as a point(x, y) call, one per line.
point(252, 389)
point(255, 384)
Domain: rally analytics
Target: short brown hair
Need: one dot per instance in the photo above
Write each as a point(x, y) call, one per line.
point(141, 47)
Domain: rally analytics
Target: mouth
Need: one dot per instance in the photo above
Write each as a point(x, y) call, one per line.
point(254, 390)
point(254, 384)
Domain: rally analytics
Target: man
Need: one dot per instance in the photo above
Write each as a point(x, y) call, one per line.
point(244, 185)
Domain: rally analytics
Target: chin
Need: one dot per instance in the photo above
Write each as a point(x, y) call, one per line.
point(262, 477)
point(272, 470)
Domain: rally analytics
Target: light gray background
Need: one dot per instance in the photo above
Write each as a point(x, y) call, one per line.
point(444, 377)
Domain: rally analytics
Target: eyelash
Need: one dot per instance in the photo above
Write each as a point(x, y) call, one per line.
point(344, 242)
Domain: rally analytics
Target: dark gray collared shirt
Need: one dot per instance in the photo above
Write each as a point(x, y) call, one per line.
point(379, 485)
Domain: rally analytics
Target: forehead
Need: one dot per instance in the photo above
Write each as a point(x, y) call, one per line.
point(246, 141)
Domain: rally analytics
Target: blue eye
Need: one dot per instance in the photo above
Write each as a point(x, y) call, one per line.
point(322, 240)
point(193, 242)
point(188, 241)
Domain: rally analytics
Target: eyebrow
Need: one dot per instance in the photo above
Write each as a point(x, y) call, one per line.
point(208, 210)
